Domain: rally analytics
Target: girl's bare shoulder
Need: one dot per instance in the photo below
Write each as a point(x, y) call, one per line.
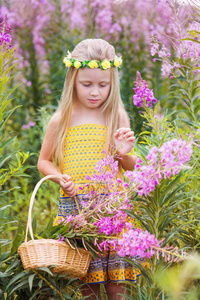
point(54, 122)
point(55, 119)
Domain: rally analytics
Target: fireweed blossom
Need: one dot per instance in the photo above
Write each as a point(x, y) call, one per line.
point(106, 170)
point(186, 50)
point(133, 243)
point(104, 220)
point(113, 225)
point(143, 95)
point(162, 163)
point(5, 37)
point(29, 125)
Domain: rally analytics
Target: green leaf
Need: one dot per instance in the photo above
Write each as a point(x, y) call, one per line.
point(16, 278)
point(195, 182)
point(5, 207)
point(13, 265)
point(16, 243)
point(167, 220)
point(3, 275)
point(40, 283)
point(50, 224)
point(44, 269)
point(30, 281)
point(6, 142)
point(171, 184)
point(193, 40)
point(169, 238)
point(22, 285)
point(9, 113)
point(138, 265)
point(11, 67)
point(195, 33)
point(170, 195)
point(34, 223)
point(126, 296)
point(6, 95)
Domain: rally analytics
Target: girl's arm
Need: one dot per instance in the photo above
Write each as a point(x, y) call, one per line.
point(124, 141)
point(45, 162)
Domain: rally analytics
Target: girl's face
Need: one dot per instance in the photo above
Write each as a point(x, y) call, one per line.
point(92, 87)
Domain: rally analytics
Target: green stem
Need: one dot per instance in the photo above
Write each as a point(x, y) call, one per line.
point(49, 284)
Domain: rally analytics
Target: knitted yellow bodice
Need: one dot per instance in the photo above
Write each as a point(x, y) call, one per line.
point(82, 150)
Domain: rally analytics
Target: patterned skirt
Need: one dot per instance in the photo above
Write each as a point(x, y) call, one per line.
point(109, 266)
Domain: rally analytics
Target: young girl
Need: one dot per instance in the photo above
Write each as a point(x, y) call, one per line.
point(90, 118)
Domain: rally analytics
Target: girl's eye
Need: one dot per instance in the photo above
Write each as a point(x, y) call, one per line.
point(86, 84)
point(103, 85)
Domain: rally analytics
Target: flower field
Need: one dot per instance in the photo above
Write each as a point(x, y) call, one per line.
point(159, 42)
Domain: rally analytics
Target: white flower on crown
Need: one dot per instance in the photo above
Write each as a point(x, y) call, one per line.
point(69, 54)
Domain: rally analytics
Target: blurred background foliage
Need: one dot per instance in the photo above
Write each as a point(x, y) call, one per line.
point(42, 32)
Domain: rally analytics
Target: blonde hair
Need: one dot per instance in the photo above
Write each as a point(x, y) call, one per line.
point(89, 49)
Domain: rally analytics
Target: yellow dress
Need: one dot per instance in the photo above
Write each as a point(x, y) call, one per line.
point(82, 150)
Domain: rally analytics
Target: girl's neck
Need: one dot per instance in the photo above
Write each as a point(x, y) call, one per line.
point(82, 115)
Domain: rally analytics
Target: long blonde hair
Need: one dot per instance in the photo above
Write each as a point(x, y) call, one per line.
point(89, 49)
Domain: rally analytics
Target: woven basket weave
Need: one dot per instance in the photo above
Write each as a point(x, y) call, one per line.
point(46, 252)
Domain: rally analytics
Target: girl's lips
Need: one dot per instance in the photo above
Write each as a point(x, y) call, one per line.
point(93, 100)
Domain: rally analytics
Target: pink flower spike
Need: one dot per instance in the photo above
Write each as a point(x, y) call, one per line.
point(31, 124)
point(61, 238)
point(125, 184)
point(24, 126)
point(29, 83)
point(129, 225)
point(118, 180)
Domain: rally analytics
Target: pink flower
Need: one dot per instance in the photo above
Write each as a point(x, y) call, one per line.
point(154, 48)
point(31, 124)
point(119, 180)
point(61, 238)
point(143, 95)
point(163, 162)
point(29, 83)
point(134, 242)
point(5, 37)
point(107, 169)
point(25, 126)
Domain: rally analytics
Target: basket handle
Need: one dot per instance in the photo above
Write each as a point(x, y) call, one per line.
point(29, 222)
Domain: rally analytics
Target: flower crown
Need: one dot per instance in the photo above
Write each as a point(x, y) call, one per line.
point(93, 64)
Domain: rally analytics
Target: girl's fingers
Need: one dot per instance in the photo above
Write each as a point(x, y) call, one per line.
point(64, 185)
point(128, 134)
point(125, 135)
point(66, 177)
point(131, 139)
point(71, 189)
point(123, 130)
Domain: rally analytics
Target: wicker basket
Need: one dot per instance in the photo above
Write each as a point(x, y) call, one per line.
point(46, 252)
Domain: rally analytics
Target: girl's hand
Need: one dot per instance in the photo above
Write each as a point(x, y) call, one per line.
point(67, 185)
point(126, 137)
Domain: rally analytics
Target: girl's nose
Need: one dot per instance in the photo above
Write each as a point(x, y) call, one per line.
point(94, 91)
